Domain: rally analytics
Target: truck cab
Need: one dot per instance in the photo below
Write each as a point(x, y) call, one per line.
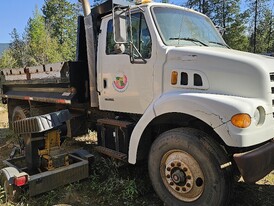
point(174, 69)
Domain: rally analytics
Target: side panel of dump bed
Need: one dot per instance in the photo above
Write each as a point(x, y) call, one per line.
point(61, 83)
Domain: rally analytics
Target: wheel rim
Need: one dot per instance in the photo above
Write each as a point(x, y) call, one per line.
point(182, 175)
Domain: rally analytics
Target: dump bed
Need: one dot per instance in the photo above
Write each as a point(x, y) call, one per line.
point(63, 83)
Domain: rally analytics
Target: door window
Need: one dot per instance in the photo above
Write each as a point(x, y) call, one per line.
point(140, 37)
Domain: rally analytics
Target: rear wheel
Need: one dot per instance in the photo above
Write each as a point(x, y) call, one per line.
point(184, 167)
point(20, 113)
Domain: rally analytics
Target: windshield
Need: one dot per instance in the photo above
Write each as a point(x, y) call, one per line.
point(179, 27)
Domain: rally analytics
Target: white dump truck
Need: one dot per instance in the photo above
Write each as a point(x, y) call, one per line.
point(158, 83)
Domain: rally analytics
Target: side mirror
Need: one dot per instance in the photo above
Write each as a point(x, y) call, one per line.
point(119, 48)
point(220, 29)
point(119, 25)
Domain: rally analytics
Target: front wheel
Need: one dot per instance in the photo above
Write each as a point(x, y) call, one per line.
point(184, 167)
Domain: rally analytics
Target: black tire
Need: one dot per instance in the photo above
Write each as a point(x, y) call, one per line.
point(184, 167)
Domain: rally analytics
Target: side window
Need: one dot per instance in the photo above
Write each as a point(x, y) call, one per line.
point(110, 39)
point(140, 36)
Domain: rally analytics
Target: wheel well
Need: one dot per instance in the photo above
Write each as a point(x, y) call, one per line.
point(167, 122)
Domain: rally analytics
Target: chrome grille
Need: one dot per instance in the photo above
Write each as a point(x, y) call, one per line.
point(272, 90)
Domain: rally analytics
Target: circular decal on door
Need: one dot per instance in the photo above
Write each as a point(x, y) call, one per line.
point(120, 83)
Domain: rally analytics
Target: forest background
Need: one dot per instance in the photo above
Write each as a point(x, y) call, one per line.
point(50, 34)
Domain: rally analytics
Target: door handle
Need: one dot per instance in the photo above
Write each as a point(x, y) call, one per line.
point(105, 83)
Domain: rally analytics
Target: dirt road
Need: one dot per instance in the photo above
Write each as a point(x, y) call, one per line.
point(86, 193)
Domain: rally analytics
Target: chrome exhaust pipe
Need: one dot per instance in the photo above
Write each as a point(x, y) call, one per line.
point(86, 7)
point(91, 53)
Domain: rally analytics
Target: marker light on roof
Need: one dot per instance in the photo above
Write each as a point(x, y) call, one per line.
point(143, 2)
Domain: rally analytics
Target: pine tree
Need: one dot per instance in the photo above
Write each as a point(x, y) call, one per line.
point(257, 10)
point(264, 37)
point(61, 18)
point(18, 49)
point(7, 60)
point(225, 13)
point(42, 48)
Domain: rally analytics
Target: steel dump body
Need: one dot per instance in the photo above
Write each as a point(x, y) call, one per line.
point(62, 83)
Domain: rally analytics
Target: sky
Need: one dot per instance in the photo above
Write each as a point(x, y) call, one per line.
point(15, 14)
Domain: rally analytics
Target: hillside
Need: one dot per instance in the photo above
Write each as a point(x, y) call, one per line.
point(3, 46)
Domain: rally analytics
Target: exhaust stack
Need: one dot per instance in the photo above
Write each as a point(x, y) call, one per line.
point(91, 52)
point(86, 7)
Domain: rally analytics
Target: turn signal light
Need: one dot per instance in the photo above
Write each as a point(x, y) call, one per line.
point(20, 181)
point(241, 120)
point(137, 2)
point(174, 77)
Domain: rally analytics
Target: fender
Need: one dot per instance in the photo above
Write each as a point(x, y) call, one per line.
point(9, 173)
point(213, 109)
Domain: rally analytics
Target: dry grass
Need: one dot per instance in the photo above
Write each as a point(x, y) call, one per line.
point(96, 190)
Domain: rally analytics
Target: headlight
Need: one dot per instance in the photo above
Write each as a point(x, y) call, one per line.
point(259, 116)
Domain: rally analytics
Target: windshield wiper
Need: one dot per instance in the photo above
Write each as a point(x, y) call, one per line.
point(219, 43)
point(189, 39)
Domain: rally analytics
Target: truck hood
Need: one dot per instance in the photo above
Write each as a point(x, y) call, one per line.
point(226, 71)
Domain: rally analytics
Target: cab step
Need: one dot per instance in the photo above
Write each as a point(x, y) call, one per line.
point(111, 153)
point(114, 136)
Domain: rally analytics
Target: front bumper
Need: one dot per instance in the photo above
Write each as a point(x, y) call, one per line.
point(257, 163)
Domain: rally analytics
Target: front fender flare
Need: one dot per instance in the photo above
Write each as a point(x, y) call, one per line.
point(215, 110)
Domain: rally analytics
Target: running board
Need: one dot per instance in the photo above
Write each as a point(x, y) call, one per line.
point(111, 153)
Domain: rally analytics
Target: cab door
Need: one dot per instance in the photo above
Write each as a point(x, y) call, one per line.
point(125, 86)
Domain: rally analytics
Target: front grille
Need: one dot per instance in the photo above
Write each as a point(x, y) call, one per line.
point(272, 77)
point(272, 90)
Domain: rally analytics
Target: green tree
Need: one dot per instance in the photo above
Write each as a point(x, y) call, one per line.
point(202, 6)
point(227, 14)
point(18, 49)
point(42, 48)
point(264, 38)
point(235, 35)
point(7, 60)
point(15, 55)
point(257, 11)
point(61, 17)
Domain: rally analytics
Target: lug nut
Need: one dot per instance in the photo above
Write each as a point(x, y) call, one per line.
point(188, 177)
point(179, 164)
point(171, 183)
point(184, 169)
point(184, 189)
point(188, 185)
point(168, 169)
point(168, 176)
point(177, 188)
point(172, 164)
